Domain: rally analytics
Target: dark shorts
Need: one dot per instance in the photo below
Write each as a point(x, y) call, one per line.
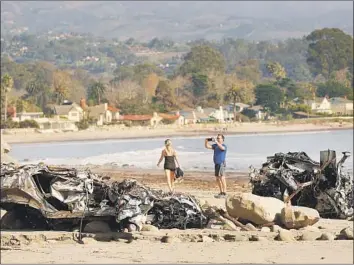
point(219, 170)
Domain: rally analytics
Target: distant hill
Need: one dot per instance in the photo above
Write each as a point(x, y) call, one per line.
point(176, 20)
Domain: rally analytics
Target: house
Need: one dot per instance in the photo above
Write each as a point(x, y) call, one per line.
point(141, 119)
point(202, 117)
point(221, 114)
point(57, 124)
point(341, 106)
point(100, 113)
point(239, 107)
point(175, 118)
point(71, 112)
point(115, 112)
point(22, 116)
point(258, 112)
point(189, 116)
point(320, 105)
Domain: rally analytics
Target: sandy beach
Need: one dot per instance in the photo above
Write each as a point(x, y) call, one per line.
point(112, 132)
point(188, 246)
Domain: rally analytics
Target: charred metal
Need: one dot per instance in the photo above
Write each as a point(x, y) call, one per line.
point(58, 198)
point(324, 186)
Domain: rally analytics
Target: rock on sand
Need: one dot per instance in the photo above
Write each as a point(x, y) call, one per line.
point(298, 216)
point(259, 210)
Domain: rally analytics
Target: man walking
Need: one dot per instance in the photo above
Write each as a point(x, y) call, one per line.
point(219, 160)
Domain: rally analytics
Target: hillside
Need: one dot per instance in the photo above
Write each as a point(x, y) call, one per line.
point(179, 21)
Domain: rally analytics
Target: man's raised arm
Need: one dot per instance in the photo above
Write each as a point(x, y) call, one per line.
point(207, 145)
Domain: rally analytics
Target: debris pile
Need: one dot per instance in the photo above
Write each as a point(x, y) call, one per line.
point(294, 177)
point(69, 196)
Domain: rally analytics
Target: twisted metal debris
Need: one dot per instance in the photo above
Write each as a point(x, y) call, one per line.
point(68, 195)
point(296, 177)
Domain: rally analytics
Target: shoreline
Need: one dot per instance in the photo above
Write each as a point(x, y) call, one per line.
point(103, 134)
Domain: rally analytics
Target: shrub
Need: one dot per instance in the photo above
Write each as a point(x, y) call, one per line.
point(9, 124)
point(301, 107)
point(242, 117)
point(29, 124)
point(82, 125)
point(127, 124)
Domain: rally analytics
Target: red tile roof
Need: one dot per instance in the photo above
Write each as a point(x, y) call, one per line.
point(136, 117)
point(112, 109)
point(168, 116)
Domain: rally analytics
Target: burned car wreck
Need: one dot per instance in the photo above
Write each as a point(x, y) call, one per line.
point(294, 177)
point(43, 197)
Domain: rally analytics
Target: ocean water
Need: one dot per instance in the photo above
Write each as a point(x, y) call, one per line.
point(243, 150)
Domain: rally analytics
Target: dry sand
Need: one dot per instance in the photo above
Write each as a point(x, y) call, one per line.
point(59, 248)
point(112, 132)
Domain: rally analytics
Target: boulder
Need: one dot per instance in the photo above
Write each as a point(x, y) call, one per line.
point(285, 235)
point(236, 238)
point(259, 210)
point(327, 236)
point(275, 228)
point(346, 233)
point(310, 236)
point(265, 229)
point(298, 216)
point(207, 239)
point(170, 239)
point(149, 228)
point(251, 227)
point(258, 238)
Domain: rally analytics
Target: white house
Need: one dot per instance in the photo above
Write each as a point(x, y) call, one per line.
point(341, 106)
point(22, 116)
point(175, 118)
point(101, 114)
point(259, 112)
point(320, 105)
point(71, 112)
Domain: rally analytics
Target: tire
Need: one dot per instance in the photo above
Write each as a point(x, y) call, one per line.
point(11, 221)
point(97, 227)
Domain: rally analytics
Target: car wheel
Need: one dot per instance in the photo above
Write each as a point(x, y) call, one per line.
point(11, 221)
point(97, 227)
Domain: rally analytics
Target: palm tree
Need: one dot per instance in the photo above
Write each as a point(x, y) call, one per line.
point(240, 91)
point(234, 94)
point(96, 91)
point(6, 85)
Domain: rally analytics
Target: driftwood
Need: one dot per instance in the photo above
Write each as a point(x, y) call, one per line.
point(234, 220)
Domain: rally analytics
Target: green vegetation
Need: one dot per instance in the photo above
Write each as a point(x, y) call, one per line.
point(279, 76)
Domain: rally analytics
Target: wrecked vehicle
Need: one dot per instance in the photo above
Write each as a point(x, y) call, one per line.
point(43, 197)
point(295, 177)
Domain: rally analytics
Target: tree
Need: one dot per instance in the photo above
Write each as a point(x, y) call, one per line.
point(330, 50)
point(61, 85)
point(202, 59)
point(164, 95)
point(276, 70)
point(123, 73)
point(306, 91)
point(149, 84)
point(343, 76)
point(6, 85)
point(96, 91)
point(249, 70)
point(239, 91)
point(333, 88)
point(269, 95)
point(38, 92)
point(200, 84)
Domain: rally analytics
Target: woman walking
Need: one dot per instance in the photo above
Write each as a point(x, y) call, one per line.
point(170, 163)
